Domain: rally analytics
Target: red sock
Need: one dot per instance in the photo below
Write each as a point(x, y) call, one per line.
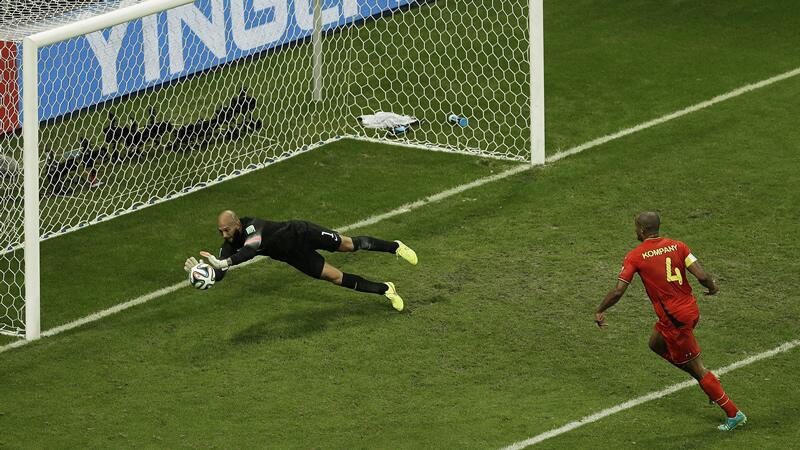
point(712, 387)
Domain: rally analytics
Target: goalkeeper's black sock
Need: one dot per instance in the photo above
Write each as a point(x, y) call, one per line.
point(374, 244)
point(361, 285)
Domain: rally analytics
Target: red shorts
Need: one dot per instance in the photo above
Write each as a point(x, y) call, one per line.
point(681, 343)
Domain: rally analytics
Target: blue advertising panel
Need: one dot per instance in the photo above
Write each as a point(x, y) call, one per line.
point(127, 58)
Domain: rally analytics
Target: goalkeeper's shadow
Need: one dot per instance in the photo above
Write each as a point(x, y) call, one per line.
point(306, 322)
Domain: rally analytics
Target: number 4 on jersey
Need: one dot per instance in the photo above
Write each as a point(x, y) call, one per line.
point(676, 276)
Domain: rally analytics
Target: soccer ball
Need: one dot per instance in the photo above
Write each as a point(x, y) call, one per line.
point(201, 276)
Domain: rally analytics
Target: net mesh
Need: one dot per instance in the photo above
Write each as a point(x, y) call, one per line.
point(21, 18)
point(160, 107)
point(432, 60)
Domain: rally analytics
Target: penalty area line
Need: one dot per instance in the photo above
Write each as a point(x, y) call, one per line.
point(648, 397)
point(437, 197)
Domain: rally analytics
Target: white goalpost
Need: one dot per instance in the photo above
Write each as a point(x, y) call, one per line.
point(30, 111)
point(129, 103)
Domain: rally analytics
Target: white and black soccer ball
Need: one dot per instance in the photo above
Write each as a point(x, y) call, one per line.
point(201, 276)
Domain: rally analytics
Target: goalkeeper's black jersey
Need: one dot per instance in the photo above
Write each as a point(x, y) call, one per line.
point(294, 242)
point(278, 240)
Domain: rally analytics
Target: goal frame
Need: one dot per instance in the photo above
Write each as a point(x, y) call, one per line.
point(30, 135)
point(30, 116)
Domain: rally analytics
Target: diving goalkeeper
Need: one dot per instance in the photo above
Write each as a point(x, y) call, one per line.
point(296, 243)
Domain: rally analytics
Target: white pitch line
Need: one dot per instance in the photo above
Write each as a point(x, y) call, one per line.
point(440, 196)
point(674, 115)
point(369, 221)
point(648, 397)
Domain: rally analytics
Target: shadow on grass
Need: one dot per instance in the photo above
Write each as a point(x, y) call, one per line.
point(426, 301)
point(306, 322)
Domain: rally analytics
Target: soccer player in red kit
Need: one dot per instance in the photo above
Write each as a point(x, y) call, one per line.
point(662, 264)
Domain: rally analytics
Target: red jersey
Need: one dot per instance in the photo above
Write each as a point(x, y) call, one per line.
point(661, 264)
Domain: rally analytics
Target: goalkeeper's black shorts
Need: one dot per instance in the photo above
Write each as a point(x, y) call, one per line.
point(313, 237)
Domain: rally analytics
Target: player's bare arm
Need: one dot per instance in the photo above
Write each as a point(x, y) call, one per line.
point(704, 278)
point(611, 299)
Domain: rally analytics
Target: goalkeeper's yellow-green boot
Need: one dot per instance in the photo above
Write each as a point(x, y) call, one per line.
point(406, 253)
point(391, 294)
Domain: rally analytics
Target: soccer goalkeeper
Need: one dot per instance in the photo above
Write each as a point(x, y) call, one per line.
point(296, 243)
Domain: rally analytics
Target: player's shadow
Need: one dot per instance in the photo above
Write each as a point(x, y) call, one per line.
point(426, 300)
point(300, 324)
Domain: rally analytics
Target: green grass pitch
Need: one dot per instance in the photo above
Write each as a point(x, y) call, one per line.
point(497, 343)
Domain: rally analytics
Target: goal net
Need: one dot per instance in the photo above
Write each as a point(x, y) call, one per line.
point(139, 102)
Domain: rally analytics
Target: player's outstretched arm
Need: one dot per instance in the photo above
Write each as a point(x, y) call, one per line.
point(611, 299)
point(704, 278)
point(220, 264)
point(226, 255)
